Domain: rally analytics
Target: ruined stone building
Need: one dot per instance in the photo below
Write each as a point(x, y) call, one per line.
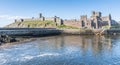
point(55, 19)
point(95, 21)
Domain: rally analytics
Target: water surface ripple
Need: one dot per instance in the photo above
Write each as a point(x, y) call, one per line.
point(64, 50)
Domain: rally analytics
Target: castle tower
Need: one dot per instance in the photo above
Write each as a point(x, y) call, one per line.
point(15, 20)
point(55, 18)
point(84, 17)
point(58, 20)
point(96, 23)
point(110, 20)
point(98, 14)
point(40, 15)
point(83, 21)
point(43, 18)
point(93, 13)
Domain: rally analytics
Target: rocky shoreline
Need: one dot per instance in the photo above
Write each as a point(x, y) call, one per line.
point(6, 39)
point(28, 34)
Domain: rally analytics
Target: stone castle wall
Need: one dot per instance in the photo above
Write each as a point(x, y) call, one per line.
point(95, 21)
point(55, 19)
point(50, 18)
point(29, 19)
point(74, 23)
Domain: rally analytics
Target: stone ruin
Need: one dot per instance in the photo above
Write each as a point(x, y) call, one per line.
point(96, 20)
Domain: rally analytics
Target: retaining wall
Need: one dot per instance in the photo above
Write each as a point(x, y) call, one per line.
point(29, 31)
point(52, 31)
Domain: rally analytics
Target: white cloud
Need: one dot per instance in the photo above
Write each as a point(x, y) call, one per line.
point(7, 19)
point(11, 17)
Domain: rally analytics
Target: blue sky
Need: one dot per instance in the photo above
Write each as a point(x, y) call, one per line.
point(66, 9)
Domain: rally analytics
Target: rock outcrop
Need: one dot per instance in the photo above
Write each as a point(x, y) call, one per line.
point(6, 39)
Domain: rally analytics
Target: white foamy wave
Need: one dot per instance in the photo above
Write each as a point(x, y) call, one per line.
point(1, 55)
point(2, 61)
point(116, 63)
point(7, 49)
point(24, 58)
point(48, 54)
point(71, 49)
point(29, 57)
point(4, 55)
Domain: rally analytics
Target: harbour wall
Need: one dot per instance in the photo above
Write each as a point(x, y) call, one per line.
point(54, 31)
point(29, 31)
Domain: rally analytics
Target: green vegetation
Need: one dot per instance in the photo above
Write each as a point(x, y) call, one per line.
point(106, 27)
point(66, 27)
point(40, 24)
point(34, 24)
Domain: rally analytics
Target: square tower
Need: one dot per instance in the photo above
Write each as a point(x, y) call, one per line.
point(98, 14)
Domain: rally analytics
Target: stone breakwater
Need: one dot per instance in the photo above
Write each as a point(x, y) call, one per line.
point(91, 31)
point(54, 31)
point(29, 31)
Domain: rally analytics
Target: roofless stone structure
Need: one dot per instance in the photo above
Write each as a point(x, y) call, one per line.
point(96, 20)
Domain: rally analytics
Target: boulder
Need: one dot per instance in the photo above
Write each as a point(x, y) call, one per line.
point(6, 39)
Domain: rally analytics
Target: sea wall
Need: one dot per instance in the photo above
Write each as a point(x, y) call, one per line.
point(113, 32)
point(29, 31)
point(77, 31)
point(91, 31)
point(54, 31)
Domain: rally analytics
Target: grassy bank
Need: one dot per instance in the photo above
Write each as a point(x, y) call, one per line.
point(33, 24)
point(66, 27)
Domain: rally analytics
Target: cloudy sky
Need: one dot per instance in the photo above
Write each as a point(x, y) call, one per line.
point(66, 9)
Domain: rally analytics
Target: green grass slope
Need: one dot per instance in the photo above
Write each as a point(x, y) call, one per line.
point(33, 24)
point(38, 24)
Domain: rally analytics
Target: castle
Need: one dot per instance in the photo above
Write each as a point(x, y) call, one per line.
point(96, 21)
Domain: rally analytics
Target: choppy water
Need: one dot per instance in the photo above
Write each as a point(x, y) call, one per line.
point(64, 50)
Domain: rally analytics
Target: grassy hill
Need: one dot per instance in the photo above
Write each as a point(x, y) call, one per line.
point(38, 24)
point(33, 24)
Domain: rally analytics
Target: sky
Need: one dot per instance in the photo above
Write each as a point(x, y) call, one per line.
point(66, 9)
